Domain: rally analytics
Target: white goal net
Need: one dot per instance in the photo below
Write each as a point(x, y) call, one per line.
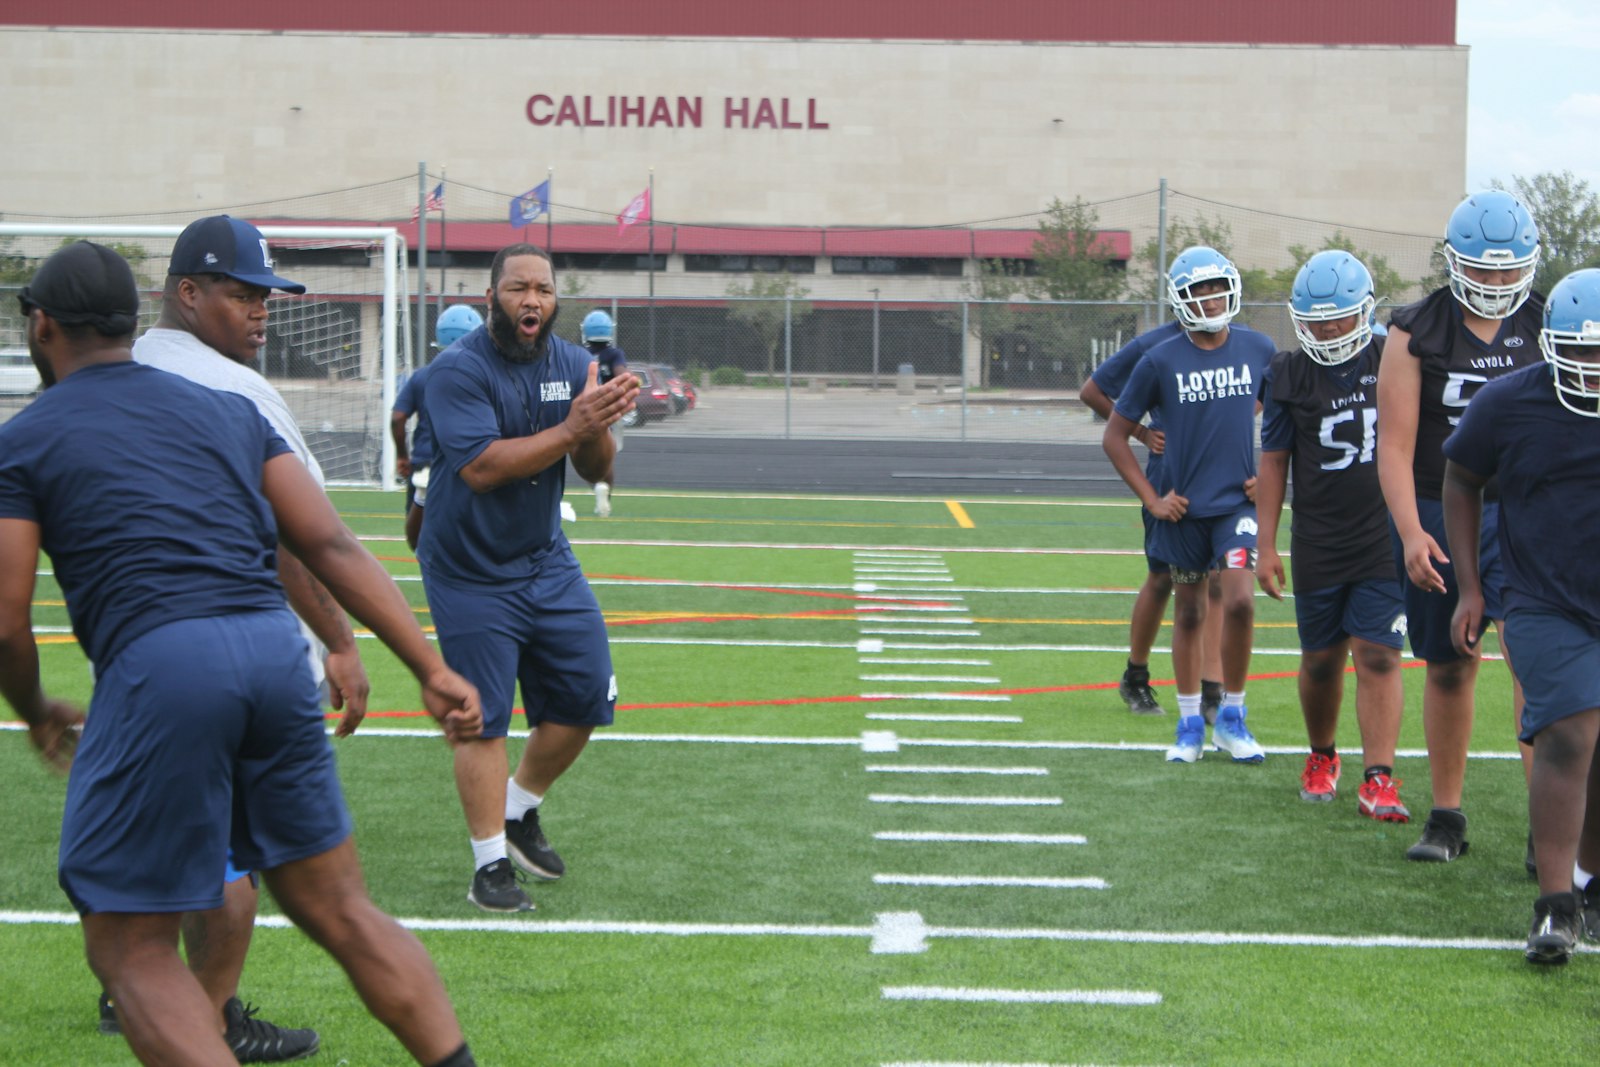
point(334, 353)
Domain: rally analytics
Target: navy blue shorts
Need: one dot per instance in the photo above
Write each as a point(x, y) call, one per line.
point(1196, 544)
point(203, 734)
point(1157, 566)
point(1371, 610)
point(1428, 614)
point(1557, 659)
point(547, 635)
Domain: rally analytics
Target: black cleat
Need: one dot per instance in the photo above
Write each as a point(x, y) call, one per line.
point(1135, 692)
point(255, 1040)
point(1554, 933)
point(1589, 901)
point(527, 846)
point(495, 888)
point(1444, 837)
point(109, 1023)
point(1210, 701)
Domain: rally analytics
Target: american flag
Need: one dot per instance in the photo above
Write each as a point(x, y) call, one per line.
point(435, 201)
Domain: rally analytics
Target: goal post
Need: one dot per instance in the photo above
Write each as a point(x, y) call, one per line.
point(335, 353)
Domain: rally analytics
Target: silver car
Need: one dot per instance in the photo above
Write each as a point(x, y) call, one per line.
point(18, 377)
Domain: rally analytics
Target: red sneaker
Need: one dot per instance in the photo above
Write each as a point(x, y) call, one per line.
point(1319, 782)
point(1379, 798)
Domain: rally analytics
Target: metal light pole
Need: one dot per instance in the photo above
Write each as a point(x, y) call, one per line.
point(874, 340)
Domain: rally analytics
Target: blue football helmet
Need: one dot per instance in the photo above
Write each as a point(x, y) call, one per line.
point(1192, 267)
point(1570, 340)
point(456, 322)
point(597, 327)
point(1491, 230)
point(1333, 285)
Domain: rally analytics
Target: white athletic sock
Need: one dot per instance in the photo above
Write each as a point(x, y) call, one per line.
point(519, 800)
point(1188, 705)
point(1233, 700)
point(1580, 877)
point(488, 851)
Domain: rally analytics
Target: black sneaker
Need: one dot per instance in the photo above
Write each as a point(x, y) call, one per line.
point(258, 1041)
point(527, 845)
point(1589, 900)
point(1135, 691)
point(1444, 837)
point(1210, 701)
point(109, 1024)
point(495, 888)
point(1554, 933)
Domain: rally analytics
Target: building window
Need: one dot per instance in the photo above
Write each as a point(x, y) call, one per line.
point(938, 267)
point(608, 261)
point(741, 264)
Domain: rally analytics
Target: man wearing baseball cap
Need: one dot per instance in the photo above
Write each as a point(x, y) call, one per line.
point(213, 322)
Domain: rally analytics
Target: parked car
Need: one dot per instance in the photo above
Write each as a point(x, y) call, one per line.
point(682, 392)
point(654, 400)
point(18, 377)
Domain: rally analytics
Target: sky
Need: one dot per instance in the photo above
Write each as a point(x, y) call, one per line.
point(1533, 88)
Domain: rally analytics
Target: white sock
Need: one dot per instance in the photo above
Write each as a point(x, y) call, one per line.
point(1188, 705)
point(1233, 700)
point(519, 800)
point(488, 851)
point(1580, 877)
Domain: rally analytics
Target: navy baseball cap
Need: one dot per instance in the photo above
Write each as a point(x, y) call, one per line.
point(85, 284)
point(222, 244)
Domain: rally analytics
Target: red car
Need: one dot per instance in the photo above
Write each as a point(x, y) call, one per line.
point(655, 400)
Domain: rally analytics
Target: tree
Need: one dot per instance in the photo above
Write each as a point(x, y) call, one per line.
point(762, 305)
point(1073, 261)
point(1256, 284)
point(1568, 214)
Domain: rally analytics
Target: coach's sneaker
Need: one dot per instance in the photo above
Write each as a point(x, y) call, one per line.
point(495, 888)
point(1232, 736)
point(1319, 781)
point(1555, 928)
point(1379, 798)
point(109, 1023)
point(1210, 701)
point(1190, 740)
point(1589, 902)
point(526, 844)
point(1135, 691)
point(1444, 837)
point(258, 1041)
point(602, 499)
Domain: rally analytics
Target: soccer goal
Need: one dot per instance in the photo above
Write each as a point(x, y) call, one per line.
point(334, 353)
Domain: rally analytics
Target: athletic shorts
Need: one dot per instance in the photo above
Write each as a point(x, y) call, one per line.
point(547, 635)
point(1371, 610)
point(1428, 614)
point(1156, 566)
point(203, 734)
point(1558, 662)
point(1196, 544)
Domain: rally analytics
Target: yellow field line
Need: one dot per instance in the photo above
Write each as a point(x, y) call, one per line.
point(963, 520)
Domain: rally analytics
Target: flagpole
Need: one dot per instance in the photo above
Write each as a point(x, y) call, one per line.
point(549, 210)
point(421, 358)
point(444, 244)
point(652, 201)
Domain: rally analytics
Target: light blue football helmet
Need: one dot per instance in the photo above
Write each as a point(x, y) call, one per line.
point(456, 322)
point(597, 327)
point(1570, 340)
point(1332, 285)
point(1191, 267)
point(1491, 230)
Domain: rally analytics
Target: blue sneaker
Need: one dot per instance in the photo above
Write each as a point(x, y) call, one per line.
point(1232, 736)
point(1190, 741)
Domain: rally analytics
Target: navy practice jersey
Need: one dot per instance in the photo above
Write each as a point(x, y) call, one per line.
point(1112, 377)
point(412, 400)
point(612, 362)
point(1208, 408)
point(1326, 418)
point(477, 397)
point(1548, 462)
point(1455, 364)
point(147, 492)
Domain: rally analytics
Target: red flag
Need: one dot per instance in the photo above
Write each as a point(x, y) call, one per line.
point(638, 210)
